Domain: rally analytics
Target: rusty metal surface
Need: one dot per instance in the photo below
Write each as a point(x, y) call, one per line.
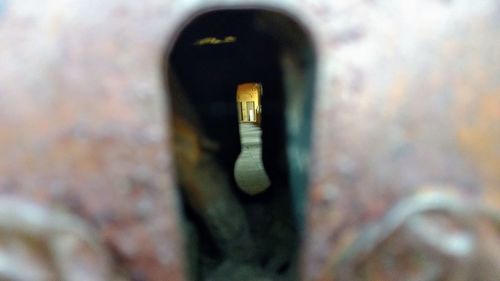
point(407, 112)
point(83, 124)
point(409, 104)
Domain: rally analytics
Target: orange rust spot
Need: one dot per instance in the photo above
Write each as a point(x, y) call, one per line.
point(479, 137)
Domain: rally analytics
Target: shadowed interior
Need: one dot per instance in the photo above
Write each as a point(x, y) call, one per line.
point(213, 54)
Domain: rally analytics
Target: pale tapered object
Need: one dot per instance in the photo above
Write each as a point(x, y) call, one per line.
point(249, 171)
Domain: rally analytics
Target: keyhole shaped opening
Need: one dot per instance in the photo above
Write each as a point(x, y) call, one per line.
point(232, 234)
point(249, 171)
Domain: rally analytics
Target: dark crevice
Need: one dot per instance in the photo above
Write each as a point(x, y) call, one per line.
point(230, 234)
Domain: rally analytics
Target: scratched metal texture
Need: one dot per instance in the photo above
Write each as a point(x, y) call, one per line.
point(407, 104)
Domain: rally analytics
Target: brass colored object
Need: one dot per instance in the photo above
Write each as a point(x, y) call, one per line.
point(215, 41)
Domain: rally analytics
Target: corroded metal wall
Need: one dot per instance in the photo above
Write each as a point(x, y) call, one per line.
point(407, 127)
point(407, 134)
point(83, 122)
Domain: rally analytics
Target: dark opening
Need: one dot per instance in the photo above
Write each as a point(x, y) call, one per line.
point(232, 235)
